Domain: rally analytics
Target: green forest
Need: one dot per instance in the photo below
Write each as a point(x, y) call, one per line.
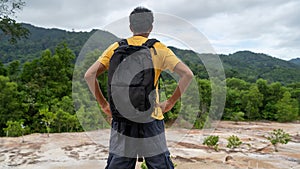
point(43, 90)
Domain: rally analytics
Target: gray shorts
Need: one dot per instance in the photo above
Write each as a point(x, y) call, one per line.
point(129, 140)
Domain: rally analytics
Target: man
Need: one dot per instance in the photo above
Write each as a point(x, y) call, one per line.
point(141, 24)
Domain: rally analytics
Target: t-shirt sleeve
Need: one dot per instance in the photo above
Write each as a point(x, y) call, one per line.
point(107, 54)
point(170, 60)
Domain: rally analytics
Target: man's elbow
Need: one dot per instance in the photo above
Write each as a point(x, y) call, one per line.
point(189, 74)
point(88, 76)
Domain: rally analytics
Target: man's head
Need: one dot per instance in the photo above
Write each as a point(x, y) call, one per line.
point(141, 20)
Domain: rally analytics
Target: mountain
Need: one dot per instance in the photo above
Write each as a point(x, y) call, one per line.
point(251, 66)
point(245, 65)
point(42, 38)
point(295, 61)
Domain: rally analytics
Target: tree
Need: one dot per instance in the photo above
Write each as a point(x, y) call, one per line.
point(65, 122)
point(262, 86)
point(295, 93)
point(278, 136)
point(3, 70)
point(189, 109)
point(13, 70)
point(72, 122)
point(14, 128)
point(204, 87)
point(166, 90)
point(234, 100)
point(271, 95)
point(233, 103)
point(269, 111)
point(287, 108)
point(9, 26)
point(61, 120)
point(47, 81)
point(252, 101)
point(276, 91)
point(10, 104)
point(239, 84)
point(48, 118)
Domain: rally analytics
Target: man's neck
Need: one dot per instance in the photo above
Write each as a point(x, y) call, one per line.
point(146, 35)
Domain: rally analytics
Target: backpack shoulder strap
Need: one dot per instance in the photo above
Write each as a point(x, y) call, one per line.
point(123, 42)
point(150, 44)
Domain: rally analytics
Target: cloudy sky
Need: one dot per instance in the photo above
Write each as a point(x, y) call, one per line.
point(263, 26)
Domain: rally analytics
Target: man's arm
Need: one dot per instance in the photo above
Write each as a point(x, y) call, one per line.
point(91, 78)
point(186, 76)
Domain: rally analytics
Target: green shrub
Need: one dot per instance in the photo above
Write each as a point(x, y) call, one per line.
point(212, 142)
point(237, 116)
point(233, 142)
point(15, 129)
point(143, 165)
point(278, 136)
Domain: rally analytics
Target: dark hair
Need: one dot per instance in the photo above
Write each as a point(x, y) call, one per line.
point(141, 20)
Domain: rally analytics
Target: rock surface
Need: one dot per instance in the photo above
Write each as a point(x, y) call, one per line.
point(89, 150)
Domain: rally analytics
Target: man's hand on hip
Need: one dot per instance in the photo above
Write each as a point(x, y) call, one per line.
point(166, 106)
point(106, 109)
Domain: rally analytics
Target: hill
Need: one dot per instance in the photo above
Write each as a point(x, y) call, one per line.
point(295, 61)
point(245, 65)
point(42, 38)
point(252, 66)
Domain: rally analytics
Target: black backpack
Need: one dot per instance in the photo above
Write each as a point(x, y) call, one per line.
point(131, 89)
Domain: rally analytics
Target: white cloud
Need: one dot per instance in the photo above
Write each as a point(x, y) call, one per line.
point(77, 14)
point(272, 29)
point(230, 25)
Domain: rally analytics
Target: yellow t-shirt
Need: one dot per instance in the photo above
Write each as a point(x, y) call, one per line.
point(164, 59)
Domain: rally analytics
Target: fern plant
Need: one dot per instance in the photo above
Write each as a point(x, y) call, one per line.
point(233, 142)
point(212, 142)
